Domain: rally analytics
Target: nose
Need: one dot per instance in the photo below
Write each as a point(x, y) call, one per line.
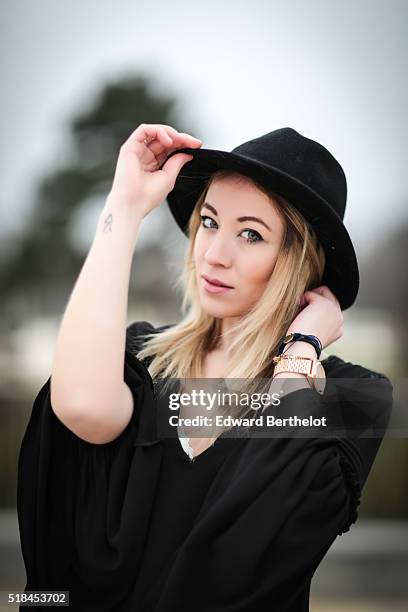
point(218, 252)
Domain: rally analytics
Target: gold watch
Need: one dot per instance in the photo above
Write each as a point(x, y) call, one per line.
point(311, 368)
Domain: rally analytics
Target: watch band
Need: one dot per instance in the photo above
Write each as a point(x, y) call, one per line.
point(296, 336)
point(311, 368)
point(301, 365)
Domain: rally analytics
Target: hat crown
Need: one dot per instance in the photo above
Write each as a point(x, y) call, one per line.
point(302, 159)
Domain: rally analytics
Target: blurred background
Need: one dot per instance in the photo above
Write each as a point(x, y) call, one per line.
point(79, 77)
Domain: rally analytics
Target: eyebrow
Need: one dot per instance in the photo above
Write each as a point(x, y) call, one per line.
point(246, 218)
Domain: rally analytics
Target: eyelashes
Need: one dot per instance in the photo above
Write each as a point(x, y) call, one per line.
point(248, 240)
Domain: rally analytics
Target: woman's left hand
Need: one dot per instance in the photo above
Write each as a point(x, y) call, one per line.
point(321, 316)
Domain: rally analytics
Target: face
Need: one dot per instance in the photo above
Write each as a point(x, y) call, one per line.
point(238, 251)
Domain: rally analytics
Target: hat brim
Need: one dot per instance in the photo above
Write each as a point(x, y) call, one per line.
point(341, 272)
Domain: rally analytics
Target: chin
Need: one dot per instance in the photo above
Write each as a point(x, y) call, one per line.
point(220, 311)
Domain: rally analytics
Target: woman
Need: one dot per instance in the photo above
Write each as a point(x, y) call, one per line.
point(122, 512)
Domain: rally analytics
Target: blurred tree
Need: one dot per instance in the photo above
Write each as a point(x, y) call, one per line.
point(40, 271)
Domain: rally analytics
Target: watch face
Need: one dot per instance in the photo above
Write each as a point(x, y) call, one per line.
point(320, 380)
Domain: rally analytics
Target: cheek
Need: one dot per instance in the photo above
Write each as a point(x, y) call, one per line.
point(258, 268)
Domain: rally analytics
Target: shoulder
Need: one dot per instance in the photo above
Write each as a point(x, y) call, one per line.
point(364, 401)
point(336, 367)
point(139, 330)
point(370, 392)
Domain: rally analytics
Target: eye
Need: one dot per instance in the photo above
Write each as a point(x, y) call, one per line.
point(255, 234)
point(203, 217)
point(258, 237)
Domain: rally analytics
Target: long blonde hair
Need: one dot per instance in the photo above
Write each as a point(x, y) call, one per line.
point(179, 352)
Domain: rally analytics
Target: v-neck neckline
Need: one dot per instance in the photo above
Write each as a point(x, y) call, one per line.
point(216, 449)
point(172, 432)
point(214, 446)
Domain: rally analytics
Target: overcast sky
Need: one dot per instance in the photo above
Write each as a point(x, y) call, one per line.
point(335, 71)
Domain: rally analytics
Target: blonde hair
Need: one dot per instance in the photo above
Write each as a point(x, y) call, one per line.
point(179, 352)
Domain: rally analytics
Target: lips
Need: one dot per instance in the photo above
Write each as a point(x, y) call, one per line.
point(216, 281)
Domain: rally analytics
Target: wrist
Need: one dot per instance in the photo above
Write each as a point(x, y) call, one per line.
point(300, 349)
point(117, 230)
point(122, 209)
point(115, 219)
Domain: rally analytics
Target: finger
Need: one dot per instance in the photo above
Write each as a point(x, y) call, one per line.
point(146, 133)
point(161, 155)
point(156, 141)
point(157, 135)
point(173, 166)
point(312, 295)
point(161, 143)
point(188, 138)
point(151, 143)
point(327, 293)
point(302, 301)
point(180, 140)
point(142, 136)
point(323, 291)
point(180, 136)
point(161, 150)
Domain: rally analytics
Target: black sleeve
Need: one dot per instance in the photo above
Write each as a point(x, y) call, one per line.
point(365, 398)
point(360, 408)
point(80, 523)
point(136, 333)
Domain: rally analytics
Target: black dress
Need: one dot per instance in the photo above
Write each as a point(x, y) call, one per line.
point(135, 525)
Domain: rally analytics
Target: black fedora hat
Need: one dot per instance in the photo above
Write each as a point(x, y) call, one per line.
point(301, 170)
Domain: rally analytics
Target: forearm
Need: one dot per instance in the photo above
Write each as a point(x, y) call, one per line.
point(89, 354)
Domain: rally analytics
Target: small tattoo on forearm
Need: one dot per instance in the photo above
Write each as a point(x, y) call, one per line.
point(107, 226)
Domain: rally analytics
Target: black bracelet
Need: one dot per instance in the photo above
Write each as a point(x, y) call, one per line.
point(294, 337)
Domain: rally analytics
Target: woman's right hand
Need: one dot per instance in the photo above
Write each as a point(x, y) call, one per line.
point(138, 182)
